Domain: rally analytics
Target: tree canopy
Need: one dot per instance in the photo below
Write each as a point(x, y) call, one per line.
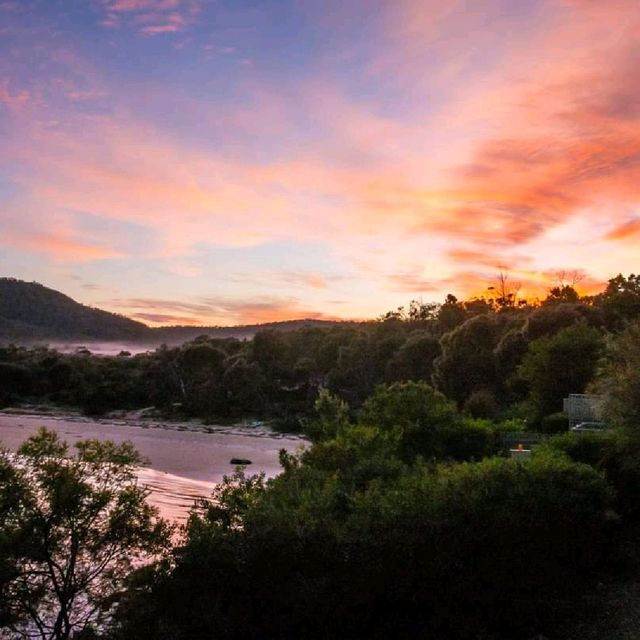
point(72, 527)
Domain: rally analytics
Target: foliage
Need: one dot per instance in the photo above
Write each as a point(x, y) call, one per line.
point(554, 423)
point(482, 404)
point(613, 454)
point(333, 416)
point(468, 362)
point(73, 528)
point(620, 300)
point(496, 542)
point(619, 382)
point(469, 350)
point(399, 520)
point(558, 365)
point(421, 414)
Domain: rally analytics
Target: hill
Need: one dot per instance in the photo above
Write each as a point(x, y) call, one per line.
point(31, 312)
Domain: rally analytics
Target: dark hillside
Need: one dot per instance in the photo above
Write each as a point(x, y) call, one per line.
point(31, 311)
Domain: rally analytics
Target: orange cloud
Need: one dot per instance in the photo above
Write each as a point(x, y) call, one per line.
point(495, 137)
point(412, 282)
point(627, 231)
point(59, 247)
point(160, 319)
point(485, 258)
point(216, 310)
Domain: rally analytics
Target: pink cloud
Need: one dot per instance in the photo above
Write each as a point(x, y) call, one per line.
point(151, 17)
point(58, 247)
point(140, 5)
point(526, 140)
point(14, 99)
point(154, 30)
point(216, 310)
point(165, 319)
point(628, 231)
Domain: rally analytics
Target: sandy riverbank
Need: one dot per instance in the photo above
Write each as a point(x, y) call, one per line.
point(186, 459)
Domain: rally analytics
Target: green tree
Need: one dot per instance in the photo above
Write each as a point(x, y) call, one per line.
point(414, 359)
point(80, 524)
point(201, 367)
point(621, 299)
point(451, 314)
point(486, 549)
point(421, 413)
point(468, 361)
point(561, 293)
point(333, 416)
point(552, 318)
point(558, 365)
point(619, 381)
point(13, 489)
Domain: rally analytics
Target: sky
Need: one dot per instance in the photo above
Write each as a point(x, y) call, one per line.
point(241, 161)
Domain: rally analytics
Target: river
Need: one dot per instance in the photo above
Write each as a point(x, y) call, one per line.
point(185, 464)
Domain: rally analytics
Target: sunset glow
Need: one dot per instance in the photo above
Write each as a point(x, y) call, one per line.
point(227, 162)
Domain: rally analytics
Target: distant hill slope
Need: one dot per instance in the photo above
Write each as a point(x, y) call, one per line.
point(31, 312)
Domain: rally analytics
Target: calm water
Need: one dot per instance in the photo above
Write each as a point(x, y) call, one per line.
point(185, 465)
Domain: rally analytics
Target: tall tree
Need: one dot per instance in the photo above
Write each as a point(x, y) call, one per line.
point(619, 382)
point(558, 365)
point(80, 524)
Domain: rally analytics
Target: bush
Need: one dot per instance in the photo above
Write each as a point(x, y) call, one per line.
point(492, 545)
point(287, 424)
point(453, 553)
point(588, 448)
point(481, 404)
point(554, 423)
point(421, 413)
point(470, 440)
point(612, 453)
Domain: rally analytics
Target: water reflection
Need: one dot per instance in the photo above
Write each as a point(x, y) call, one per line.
point(173, 495)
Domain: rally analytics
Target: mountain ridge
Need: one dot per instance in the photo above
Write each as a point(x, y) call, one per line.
point(31, 312)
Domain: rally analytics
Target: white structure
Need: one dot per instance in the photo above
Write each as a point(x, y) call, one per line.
point(582, 407)
point(520, 452)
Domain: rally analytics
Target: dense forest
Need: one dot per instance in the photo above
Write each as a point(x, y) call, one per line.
point(403, 518)
point(493, 358)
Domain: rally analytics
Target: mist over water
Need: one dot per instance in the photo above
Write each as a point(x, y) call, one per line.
point(102, 348)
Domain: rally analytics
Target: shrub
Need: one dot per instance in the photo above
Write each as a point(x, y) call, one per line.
point(612, 453)
point(481, 404)
point(452, 552)
point(420, 412)
point(470, 440)
point(554, 423)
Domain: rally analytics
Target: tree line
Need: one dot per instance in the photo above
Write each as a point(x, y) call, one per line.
point(495, 358)
point(402, 518)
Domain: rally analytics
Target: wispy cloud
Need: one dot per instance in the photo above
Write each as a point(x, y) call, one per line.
point(627, 231)
point(215, 310)
point(421, 147)
point(13, 99)
point(59, 247)
point(150, 17)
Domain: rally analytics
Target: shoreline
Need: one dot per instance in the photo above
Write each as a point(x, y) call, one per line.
point(185, 460)
point(135, 418)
